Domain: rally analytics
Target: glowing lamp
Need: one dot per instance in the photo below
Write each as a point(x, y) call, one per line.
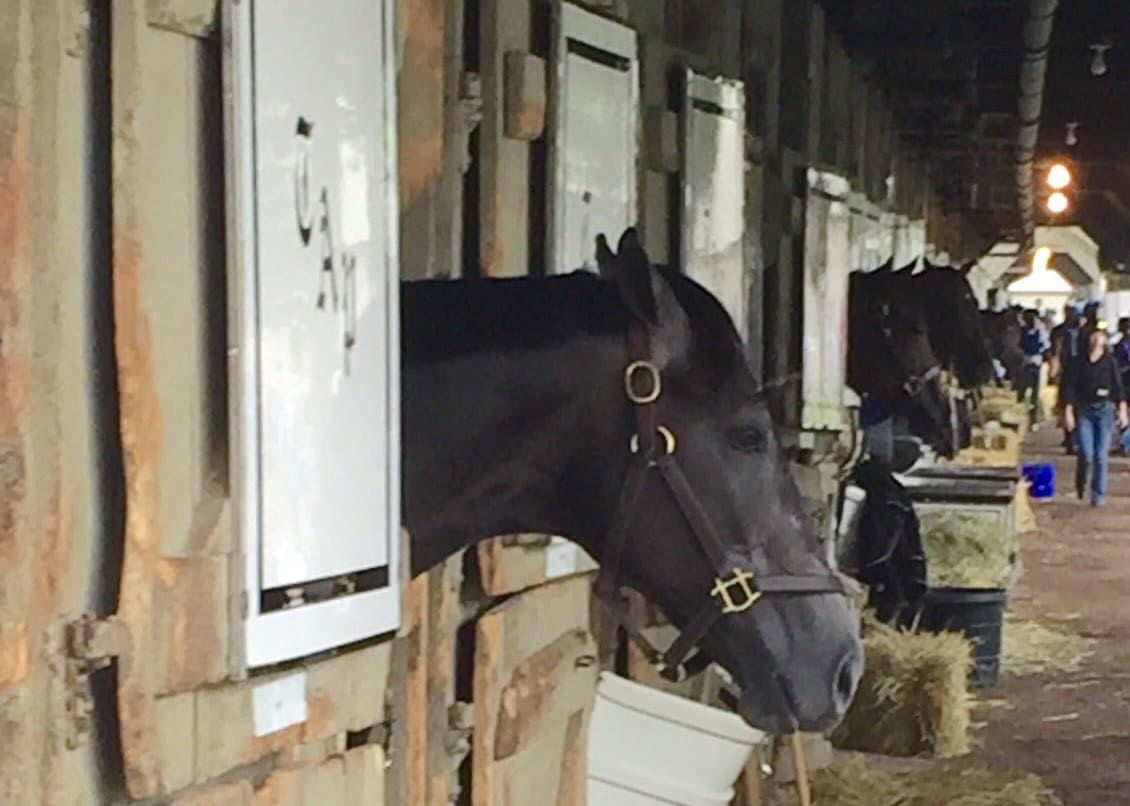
point(1058, 176)
point(1057, 203)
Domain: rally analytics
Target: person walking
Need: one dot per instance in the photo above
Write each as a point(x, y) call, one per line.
point(1122, 336)
point(1067, 344)
point(1034, 344)
point(1094, 398)
point(1121, 350)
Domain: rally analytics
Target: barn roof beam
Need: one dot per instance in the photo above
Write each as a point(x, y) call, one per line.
point(1033, 74)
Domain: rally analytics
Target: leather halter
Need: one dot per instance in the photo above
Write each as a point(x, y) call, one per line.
point(741, 579)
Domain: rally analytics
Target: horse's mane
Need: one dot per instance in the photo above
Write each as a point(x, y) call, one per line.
point(445, 319)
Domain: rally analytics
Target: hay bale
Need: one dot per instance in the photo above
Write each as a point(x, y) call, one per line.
point(861, 781)
point(914, 698)
point(1029, 647)
point(991, 447)
point(1025, 514)
point(1049, 399)
point(966, 548)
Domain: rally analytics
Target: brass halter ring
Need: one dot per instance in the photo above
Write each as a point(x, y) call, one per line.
point(655, 388)
point(669, 441)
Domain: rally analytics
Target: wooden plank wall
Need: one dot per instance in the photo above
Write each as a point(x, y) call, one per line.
point(533, 695)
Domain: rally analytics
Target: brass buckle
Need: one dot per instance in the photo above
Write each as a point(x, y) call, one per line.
point(669, 440)
point(655, 388)
point(743, 581)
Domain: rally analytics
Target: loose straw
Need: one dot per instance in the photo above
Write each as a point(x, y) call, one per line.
point(800, 770)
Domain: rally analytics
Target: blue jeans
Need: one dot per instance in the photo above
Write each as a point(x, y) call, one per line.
point(1093, 430)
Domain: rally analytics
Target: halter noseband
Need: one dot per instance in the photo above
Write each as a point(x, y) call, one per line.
point(742, 577)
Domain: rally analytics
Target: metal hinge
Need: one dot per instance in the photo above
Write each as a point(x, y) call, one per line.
point(92, 644)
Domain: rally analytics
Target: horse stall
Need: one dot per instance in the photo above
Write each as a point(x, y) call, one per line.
point(209, 593)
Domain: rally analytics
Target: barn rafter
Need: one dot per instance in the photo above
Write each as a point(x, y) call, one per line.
point(954, 71)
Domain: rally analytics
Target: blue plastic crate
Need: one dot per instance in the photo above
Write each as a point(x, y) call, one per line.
point(1041, 477)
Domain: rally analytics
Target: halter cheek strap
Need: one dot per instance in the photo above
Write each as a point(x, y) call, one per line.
point(743, 576)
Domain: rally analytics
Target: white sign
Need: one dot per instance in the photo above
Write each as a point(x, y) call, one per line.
point(279, 704)
point(595, 139)
point(316, 341)
point(560, 558)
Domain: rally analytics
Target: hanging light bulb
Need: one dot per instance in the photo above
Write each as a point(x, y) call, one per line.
point(1059, 176)
point(1057, 203)
point(1072, 138)
point(1098, 62)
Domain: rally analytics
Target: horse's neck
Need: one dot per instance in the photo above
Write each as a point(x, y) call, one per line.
point(500, 442)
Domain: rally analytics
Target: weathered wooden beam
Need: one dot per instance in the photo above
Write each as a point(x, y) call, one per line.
point(197, 18)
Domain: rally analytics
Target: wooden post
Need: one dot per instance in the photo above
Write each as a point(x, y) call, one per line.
point(801, 770)
point(747, 792)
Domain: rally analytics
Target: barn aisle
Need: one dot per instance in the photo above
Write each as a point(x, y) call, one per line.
point(1069, 725)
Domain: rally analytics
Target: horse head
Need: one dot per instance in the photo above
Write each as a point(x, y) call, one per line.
point(619, 411)
point(710, 523)
point(956, 333)
point(891, 357)
point(1002, 335)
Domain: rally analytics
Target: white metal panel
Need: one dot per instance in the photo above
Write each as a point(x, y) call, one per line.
point(594, 118)
point(714, 191)
point(827, 256)
point(871, 234)
point(315, 317)
point(909, 241)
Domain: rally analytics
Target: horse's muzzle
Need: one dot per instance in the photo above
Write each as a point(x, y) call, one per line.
point(793, 697)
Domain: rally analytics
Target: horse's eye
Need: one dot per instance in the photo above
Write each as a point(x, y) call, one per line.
point(748, 438)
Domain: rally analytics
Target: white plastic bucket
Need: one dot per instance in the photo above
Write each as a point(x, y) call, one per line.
point(649, 747)
point(854, 498)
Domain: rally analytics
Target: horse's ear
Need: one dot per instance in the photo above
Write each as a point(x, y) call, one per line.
point(630, 270)
point(646, 293)
point(968, 267)
point(630, 244)
point(606, 259)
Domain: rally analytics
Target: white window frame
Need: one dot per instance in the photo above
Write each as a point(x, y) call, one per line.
point(723, 98)
point(573, 22)
point(827, 266)
point(263, 639)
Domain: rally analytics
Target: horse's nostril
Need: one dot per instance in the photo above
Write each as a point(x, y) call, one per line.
point(845, 682)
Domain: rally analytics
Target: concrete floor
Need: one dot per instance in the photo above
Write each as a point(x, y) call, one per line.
point(1071, 729)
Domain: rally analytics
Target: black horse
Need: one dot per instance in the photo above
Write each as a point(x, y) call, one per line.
point(619, 411)
point(953, 319)
point(1002, 335)
point(891, 359)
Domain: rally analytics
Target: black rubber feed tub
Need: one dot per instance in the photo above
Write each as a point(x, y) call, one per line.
point(976, 613)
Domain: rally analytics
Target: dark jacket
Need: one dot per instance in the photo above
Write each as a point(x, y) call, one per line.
point(1087, 382)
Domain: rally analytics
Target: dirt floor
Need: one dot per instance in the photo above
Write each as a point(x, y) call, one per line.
point(1072, 729)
